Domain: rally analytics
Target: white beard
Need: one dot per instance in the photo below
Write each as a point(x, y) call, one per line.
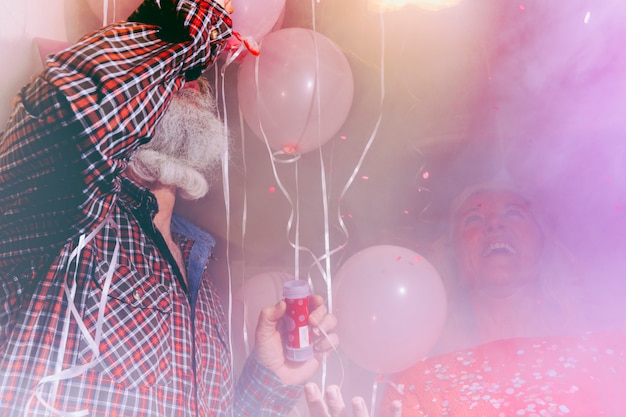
point(191, 131)
point(188, 144)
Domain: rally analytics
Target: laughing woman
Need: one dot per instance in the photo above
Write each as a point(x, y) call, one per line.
point(516, 342)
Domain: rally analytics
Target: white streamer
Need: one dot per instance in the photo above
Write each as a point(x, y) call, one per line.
point(226, 190)
point(105, 12)
point(93, 342)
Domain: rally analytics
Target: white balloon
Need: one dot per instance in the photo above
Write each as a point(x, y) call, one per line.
point(264, 289)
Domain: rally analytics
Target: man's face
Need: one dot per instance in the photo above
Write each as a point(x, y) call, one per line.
point(497, 242)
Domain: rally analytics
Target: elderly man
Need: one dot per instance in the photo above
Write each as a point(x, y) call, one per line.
point(106, 307)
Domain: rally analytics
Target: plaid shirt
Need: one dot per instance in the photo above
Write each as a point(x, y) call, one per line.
point(95, 318)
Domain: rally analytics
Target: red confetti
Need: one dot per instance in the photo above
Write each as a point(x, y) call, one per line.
point(426, 175)
point(365, 177)
point(272, 189)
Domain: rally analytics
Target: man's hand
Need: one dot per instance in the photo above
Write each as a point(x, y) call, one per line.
point(332, 405)
point(227, 5)
point(268, 346)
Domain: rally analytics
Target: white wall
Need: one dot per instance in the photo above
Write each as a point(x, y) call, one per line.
point(20, 22)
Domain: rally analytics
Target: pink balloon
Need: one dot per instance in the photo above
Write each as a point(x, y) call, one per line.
point(294, 63)
point(260, 291)
point(264, 289)
point(390, 305)
point(256, 18)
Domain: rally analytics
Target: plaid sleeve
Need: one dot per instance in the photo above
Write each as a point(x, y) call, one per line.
point(119, 80)
point(260, 393)
point(74, 127)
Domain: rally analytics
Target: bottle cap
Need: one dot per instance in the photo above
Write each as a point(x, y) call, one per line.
point(296, 288)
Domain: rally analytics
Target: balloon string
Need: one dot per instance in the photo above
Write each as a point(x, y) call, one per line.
point(227, 207)
point(274, 159)
point(105, 12)
point(376, 126)
point(317, 261)
point(297, 230)
point(374, 393)
point(244, 222)
point(278, 157)
point(93, 342)
point(342, 225)
point(326, 274)
point(324, 361)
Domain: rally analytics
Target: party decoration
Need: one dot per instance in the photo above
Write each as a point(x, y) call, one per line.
point(238, 45)
point(116, 9)
point(259, 291)
point(249, 29)
point(390, 305)
point(256, 18)
point(304, 91)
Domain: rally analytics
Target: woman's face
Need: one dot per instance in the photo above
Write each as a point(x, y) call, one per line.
point(497, 242)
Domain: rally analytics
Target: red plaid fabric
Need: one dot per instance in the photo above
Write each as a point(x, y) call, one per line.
point(115, 85)
point(95, 318)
